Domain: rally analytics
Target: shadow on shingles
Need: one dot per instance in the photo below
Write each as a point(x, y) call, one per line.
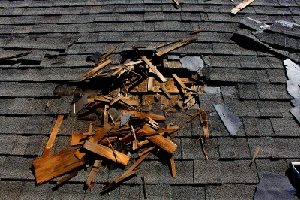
point(294, 180)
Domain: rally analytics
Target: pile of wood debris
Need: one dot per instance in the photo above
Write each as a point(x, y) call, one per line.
point(125, 118)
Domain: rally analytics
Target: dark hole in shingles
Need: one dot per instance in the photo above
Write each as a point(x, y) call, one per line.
point(29, 62)
point(294, 180)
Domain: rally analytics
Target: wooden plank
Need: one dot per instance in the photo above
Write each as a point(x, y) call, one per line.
point(106, 152)
point(130, 171)
point(153, 68)
point(175, 46)
point(241, 6)
point(55, 165)
point(150, 83)
point(163, 89)
point(177, 79)
point(53, 135)
point(95, 70)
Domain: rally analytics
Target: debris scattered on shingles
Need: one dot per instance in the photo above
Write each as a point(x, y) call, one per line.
point(230, 120)
point(241, 6)
point(120, 128)
point(52, 137)
point(274, 186)
point(293, 86)
point(255, 154)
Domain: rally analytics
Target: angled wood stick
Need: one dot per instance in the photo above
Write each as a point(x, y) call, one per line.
point(255, 154)
point(195, 32)
point(53, 136)
point(93, 173)
point(153, 68)
point(175, 46)
point(96, 69)
point(173, 169)
point(101, 58)
point(144, 187)
point(66, 178)
point(241, 6)
point(204, 123)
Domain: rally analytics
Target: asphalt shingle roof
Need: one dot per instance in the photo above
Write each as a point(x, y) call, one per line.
point(35, 88)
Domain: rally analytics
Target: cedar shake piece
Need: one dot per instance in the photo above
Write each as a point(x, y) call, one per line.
point(55, 165)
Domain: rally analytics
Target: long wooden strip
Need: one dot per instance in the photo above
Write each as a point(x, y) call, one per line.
point(175, 46)
point(130, 171)
point(153, 68)
point(177, 79)
point(101, 58)
point(159, 140)
point(163, 89)
point(106, 152)
point(204, 122)
point(94, 70)
point(93, 173)
point(55, 165)
point(173, 168)
point(100, 134)
point(53, 136)
point(255, 153)
point(241, 6)
point(66, 178)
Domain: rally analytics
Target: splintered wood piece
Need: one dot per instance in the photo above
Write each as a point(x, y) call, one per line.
point(100, 133)
point(130, 171)
point(241, 6)
point(173, 169)
point(77, 138)
point(177, 3)
point(154, 69)
point(145, 115)
point(204, 122)
point(144, 187)
point(177, 79)
point(146, 151)
point(193, 116)
point(135, 141)
point(114, 100)
point(159, 140)
point(165, 44)
point(93, 172)
point(96, 69)
point(153, 123)
point(175, 46)
point(66, 178)
point(79, 154)
point(53, 135)
point(142, 143)
point(130, 101)
point(255, 153)
point(195, 32)
point(150, 83)
point(105, 115)
point(203, 148)
point(101, 98)
point(106, 152)
point(106, 55)
point(55, 165)
point(163, 89)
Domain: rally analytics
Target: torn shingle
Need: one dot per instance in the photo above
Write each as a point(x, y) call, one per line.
point(230, 120)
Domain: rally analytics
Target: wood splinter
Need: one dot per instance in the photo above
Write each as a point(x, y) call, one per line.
point(93, 173)
point(241, 6)
point(173, 169)
point(95, 70)
point(144, 187)
point(53, 136)
point(255, 155)
point(66, 178)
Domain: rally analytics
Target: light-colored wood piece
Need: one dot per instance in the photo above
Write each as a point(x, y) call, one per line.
point(100, 134)
point(93, 173)
point(241, 6)
point(175, 46)
point(96, 69)
point(106, 152)
point(153, 68)
point(195, 32)
point(55, 165)
point(173, 168)
point(53, 134)
point(77, 138)
point(150, 83)
point(163, 89)
point(101, 58)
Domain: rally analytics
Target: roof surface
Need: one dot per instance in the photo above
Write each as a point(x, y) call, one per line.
point(37, 87)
